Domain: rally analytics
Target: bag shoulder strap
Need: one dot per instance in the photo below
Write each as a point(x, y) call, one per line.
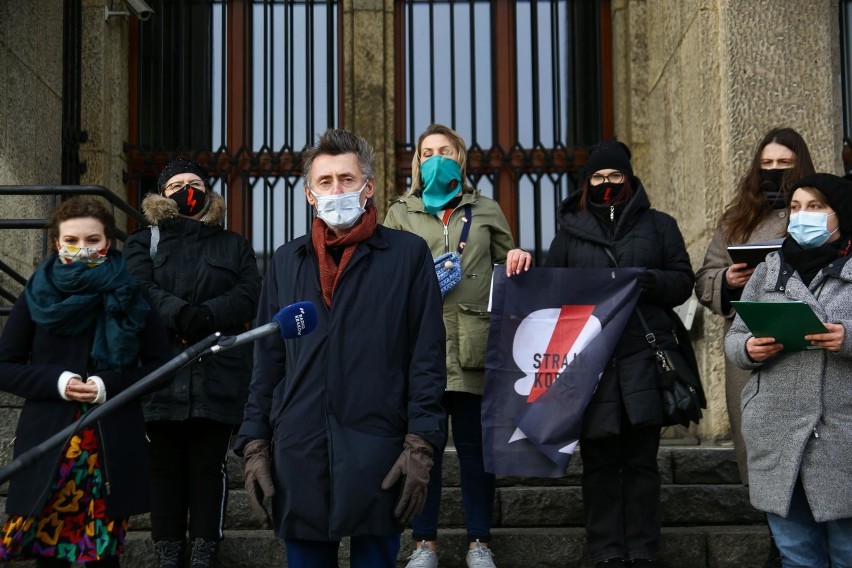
point(468, 216)
point(649, 335)
point(155, 240)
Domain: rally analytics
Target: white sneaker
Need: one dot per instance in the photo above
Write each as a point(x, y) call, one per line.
point(480, 557)
point(423, 557)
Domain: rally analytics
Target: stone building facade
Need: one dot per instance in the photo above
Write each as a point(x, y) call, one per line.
point(697, 82)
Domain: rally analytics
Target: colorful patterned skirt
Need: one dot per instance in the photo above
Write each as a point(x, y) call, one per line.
point(74, 525)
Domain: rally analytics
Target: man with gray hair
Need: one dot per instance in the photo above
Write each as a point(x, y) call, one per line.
point(341, 425)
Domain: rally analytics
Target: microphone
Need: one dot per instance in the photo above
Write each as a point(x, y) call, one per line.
point(293, 321)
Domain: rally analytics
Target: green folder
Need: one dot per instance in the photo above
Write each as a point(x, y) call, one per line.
point(787, 322)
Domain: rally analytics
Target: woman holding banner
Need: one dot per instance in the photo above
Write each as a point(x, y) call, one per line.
point(468, 234)
point(610, 221)
point(797, 405)
point(75, 338)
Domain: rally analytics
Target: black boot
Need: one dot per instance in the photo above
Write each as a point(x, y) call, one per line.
point(203, 552)
point(169, 553)
point(611, 563)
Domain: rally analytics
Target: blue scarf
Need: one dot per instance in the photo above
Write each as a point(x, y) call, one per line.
point(67, 299)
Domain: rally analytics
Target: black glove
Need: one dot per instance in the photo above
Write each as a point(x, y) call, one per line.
point(413, 466)
point(195, 323)
point(648, 283)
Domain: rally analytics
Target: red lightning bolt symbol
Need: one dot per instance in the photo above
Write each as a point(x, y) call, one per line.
point(190, 199)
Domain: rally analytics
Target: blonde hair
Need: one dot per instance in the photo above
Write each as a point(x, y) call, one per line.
point(458, 144)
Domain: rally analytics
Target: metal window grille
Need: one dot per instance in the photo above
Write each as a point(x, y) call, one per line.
point(242, 87)
point(521, 82)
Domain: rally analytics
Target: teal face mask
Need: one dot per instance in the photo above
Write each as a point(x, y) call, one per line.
point(442, 180)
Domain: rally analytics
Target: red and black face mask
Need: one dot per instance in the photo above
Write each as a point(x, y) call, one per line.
point(605, 193)
point(189, 200)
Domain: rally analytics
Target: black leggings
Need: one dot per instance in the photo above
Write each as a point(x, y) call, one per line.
point(188, 475)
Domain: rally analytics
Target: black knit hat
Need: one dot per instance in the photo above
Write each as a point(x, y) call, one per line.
point(180, 166)
point(609, 155)
point(838, 193)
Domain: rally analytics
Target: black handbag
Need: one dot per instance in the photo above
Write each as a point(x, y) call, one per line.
point(679, 385)
point(681, 393)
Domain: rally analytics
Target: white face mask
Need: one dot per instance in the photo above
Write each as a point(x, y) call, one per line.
point(340, 211)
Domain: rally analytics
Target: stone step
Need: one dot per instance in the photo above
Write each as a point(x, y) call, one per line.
point(682, 505)
point(680, 547)
point(683, 465)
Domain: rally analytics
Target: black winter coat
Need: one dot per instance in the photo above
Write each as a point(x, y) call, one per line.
point(641, 237)
point(198, 263)
point(337, 403)
point(31, 361)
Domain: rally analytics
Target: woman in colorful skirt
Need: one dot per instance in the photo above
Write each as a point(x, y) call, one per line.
point(80, 333)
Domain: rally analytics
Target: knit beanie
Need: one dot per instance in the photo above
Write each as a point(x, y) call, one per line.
point(838, 194)
point(180, 166)
point(609, 155)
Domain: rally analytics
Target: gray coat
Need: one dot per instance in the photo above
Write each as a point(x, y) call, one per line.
point(797, 406)
point(708, 287)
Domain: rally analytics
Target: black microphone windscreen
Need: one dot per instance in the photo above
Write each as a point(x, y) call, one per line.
point(296, 320)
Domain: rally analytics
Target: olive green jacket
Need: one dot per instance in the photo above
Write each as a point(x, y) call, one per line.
point(465, 306)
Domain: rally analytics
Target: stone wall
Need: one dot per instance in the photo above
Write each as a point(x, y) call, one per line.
point(30, 120)
point(698, 82)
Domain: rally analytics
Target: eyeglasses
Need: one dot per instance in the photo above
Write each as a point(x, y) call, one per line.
point(196, 184)
point(614, 177)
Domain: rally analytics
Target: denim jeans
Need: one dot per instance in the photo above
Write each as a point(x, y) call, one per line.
point(477, 486)
point(365, 552)
point(803, 542)
point(621, 493)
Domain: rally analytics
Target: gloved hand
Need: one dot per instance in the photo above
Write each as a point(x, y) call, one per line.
point(648, 283)
point(413, 466)
point(258, 479)
point(195, 323)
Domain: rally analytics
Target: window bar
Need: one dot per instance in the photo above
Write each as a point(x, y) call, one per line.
point(290, 80)
point(556, 71)
point(431, 48)
point(474, 106)
point(310, 82)
point(409, 98)
point(535, 87)
point(452, 64)
point(331, 55)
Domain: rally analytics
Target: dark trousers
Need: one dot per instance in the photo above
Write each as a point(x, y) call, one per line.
point(477, 486)
point(365, 552)
point(188, 476)
point(621, 493)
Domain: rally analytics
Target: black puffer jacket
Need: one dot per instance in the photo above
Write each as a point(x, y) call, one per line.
point(641, 237)
point(198, 263)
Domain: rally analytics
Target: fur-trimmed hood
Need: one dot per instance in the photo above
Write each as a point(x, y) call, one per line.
point(157, 208)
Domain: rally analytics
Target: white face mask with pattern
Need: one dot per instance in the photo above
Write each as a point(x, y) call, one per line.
point(90, 255)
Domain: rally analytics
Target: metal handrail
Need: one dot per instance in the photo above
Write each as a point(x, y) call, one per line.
point(72, 190)
point(55, 191)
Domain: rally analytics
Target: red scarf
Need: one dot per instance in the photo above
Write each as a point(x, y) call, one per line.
point(324, 237)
